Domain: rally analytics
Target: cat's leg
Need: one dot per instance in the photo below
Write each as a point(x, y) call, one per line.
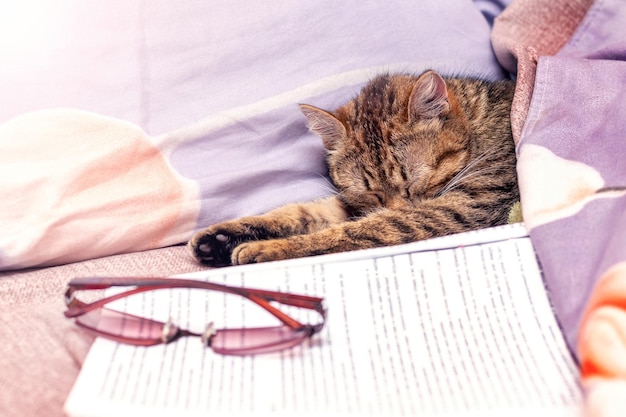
point(432, 218)
point(377, 229)
point(215, 244)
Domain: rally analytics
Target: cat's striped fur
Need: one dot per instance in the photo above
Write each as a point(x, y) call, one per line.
point(411, 158)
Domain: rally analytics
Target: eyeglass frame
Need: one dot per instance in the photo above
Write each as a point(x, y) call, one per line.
point(77, 308)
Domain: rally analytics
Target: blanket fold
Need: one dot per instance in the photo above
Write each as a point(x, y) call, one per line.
point(80, 185)
point(568, 119)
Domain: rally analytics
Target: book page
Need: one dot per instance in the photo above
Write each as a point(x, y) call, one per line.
point(458, 326)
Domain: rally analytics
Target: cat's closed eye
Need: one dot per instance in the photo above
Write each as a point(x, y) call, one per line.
point(378, 195)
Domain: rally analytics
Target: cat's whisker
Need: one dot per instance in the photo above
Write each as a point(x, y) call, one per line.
point(462, 174)
point(458, 180)
point(458, 177)
point(326, 185)
point(467, 177)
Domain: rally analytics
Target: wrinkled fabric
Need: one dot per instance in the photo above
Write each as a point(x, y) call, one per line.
point(569, 119)
point(178, 116)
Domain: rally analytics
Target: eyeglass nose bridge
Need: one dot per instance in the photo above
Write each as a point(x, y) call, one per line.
point(208, 334)
point(169, 332)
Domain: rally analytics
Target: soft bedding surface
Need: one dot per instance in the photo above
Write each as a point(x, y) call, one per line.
point(569, 120)
point(169, 117)
point(127, 126)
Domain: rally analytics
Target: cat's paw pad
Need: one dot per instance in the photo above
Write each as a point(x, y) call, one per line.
point(213, 248)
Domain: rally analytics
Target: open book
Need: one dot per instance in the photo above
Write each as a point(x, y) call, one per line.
point(455, 326)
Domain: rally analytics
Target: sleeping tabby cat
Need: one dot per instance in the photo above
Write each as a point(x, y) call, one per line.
point(412, 157)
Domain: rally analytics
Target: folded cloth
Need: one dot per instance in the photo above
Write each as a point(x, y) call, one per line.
point(568, 120)
point(77, 185)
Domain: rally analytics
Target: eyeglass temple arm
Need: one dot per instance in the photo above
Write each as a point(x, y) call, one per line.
point(94, 283)
point(77, 307)
point(259, 297)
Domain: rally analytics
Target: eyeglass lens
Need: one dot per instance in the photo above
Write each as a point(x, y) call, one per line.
point(137, 330)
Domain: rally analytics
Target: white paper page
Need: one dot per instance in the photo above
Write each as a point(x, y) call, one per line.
point(463, 331)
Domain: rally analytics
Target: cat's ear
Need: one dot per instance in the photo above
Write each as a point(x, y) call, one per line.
point(324, 125)
point(429, 97)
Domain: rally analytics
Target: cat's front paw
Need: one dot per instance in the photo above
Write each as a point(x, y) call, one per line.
point(214, 246)
point(262, 251)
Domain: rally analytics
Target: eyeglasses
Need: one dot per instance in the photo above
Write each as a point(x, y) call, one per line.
point(142, 331)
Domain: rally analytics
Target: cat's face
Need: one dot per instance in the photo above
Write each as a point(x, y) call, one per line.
point(401, 140)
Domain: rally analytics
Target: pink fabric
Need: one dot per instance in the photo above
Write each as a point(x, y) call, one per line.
point(77, 186)
point(525, 30)
point(602, 345)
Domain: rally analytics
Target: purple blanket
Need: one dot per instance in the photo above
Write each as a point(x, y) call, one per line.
point(569, 115)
